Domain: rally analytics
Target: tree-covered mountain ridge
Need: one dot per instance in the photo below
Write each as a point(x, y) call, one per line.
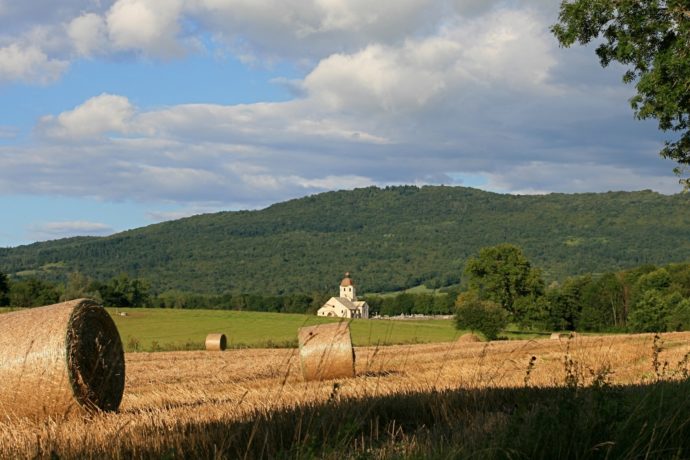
point(390, 238)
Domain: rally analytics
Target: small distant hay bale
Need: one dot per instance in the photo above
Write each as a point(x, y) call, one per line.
point(326, 351)
point(123, 313)
point(60, 360)
point(469, 338)
point(216, 342)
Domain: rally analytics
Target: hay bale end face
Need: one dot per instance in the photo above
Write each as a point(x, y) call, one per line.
point(60, 359)
point(216, 342)
point(326, 351)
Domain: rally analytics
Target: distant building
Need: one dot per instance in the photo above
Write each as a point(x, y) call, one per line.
point(347, 305)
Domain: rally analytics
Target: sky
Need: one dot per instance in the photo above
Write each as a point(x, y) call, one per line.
point(120, 114)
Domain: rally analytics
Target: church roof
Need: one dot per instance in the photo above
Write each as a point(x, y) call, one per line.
point(347, 281)
point(345, 302)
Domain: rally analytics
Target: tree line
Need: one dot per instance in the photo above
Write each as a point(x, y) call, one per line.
point(503, 287)
point(499, 286)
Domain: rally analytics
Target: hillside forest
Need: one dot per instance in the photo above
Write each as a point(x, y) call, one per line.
point(647, 298)
point(392, 239)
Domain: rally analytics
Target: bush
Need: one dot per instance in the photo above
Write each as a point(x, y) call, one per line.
point(483, 316)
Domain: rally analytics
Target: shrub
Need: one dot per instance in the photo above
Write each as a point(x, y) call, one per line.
point(483, 316)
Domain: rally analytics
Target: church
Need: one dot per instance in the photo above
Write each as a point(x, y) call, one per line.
point(347, 305)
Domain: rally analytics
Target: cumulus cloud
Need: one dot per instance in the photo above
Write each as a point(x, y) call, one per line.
point(409, 91)
point(94, 118)
point(88, 33)
point(150, 26)
point(29, 63)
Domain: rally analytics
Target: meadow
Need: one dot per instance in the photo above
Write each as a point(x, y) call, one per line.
point(622, 396)
point(148, 329)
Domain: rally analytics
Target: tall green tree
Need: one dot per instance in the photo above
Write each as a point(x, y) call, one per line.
point(503, 275)
point(651, 38)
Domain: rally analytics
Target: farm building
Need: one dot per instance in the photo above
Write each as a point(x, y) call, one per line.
point(347, 305)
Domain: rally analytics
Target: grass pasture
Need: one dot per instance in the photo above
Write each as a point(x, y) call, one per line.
point(147, 329)
point(621, 396)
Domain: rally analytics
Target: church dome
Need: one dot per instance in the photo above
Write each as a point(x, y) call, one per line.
point(347, 281)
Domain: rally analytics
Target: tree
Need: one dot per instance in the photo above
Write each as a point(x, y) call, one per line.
point(652, 38)
point(479, 315)
point(679, 317)
point(4, 290)
point(650, 313)
point(503, 274)
point(602, 304)
point(565, 302)
point(125, 292)
point(79, 286)
point(33, 293)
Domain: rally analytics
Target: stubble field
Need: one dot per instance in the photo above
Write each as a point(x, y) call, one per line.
point(406, 401)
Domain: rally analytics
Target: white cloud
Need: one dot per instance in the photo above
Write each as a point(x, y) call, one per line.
point(94, 118)
point(29, 63)
point(62, 229)
point(429, 92)
point(150, 26)
point(313, 29)
point(88, 33)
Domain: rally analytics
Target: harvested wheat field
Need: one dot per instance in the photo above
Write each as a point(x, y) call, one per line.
point(255, 403)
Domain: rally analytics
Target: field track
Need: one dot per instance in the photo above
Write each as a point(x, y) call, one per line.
point(167, 393)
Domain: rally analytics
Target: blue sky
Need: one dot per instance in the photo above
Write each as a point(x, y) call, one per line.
point(116, 114)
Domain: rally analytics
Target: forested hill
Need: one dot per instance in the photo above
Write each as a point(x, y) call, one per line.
point(389, 238)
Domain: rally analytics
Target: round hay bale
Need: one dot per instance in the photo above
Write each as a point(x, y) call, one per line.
point(216, 342)
point(326, 351)
point(469, 338)
point(60, 359)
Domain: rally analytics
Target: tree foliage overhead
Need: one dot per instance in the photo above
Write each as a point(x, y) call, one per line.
point(391, 239)
point(652, 38)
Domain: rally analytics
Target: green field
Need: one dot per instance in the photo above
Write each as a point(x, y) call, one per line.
point(148, 329)
point(162, 329)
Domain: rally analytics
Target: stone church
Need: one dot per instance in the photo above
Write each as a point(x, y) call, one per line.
point(347, 305)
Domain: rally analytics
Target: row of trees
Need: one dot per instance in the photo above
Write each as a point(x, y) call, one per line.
point(32, 292)
point(504, 287)
point(501, 287)
point(123, 291)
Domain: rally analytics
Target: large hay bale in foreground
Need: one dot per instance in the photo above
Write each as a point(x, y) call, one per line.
point(216, 342)
point(59, 360)
point(326, 351)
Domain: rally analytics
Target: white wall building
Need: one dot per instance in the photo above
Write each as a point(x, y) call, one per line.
point(347, 305)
